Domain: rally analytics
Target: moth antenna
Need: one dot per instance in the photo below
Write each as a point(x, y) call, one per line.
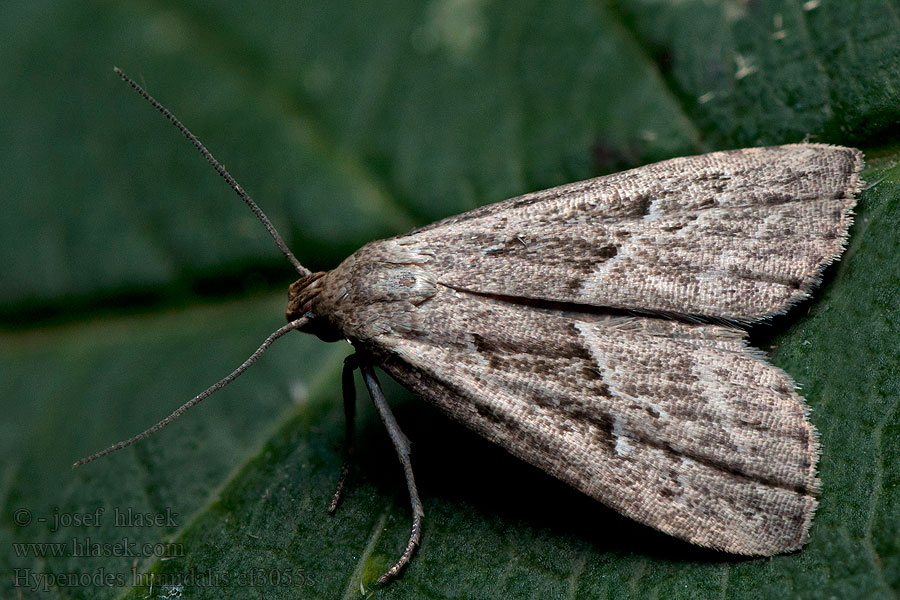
point(221, 170)
point(201, 396)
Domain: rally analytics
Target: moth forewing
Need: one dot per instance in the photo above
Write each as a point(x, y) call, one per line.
point(591, 330)
point(737, 235)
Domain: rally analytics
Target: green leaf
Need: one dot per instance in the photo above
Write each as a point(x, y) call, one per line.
point(132, 279)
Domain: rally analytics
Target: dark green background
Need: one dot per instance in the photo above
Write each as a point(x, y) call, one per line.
point(132, 278)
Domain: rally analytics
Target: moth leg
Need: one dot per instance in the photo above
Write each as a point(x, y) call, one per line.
point(351, 363)
point(401, 444)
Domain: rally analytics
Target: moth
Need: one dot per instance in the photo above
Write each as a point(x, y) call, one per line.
point(594, 331)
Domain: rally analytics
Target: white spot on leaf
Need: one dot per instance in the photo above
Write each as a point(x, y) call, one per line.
point(745, 66)
point(299, 391)
point(455, 26)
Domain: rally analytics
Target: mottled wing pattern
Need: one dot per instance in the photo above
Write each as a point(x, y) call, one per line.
point(769, 220)
point(679, 426)
point(513, 320)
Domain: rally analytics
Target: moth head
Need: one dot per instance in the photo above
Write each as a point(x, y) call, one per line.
point(301, 295)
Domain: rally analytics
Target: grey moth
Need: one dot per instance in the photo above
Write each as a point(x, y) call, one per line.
point(594, 331)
